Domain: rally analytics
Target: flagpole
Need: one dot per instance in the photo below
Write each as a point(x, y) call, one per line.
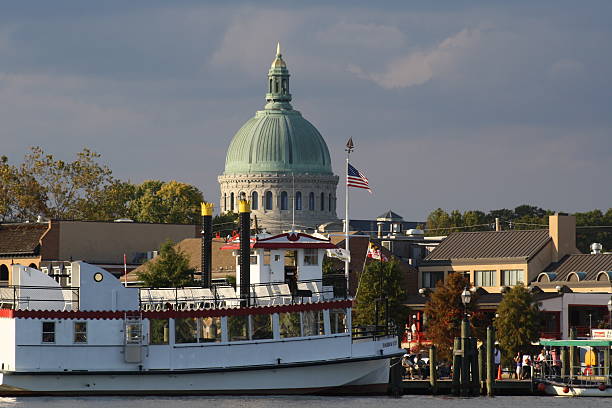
point(349, 149)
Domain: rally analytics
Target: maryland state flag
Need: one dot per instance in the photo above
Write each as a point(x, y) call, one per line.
point(375, 253)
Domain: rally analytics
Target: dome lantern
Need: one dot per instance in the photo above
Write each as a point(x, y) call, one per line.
point(278, 96)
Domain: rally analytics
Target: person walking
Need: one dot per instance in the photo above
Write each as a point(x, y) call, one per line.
point(519, 364)
point(497, 360)
point(526, 366)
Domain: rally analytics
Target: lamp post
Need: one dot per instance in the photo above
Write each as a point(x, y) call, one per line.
point(466, 296)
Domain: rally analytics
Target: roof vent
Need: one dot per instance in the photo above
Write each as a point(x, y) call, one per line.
point(414, 232)
point(596, 248)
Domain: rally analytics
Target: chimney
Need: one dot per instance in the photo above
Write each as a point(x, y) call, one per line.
point(206, 266)
point(244, 210)
point(562, 230)
point(497, 224)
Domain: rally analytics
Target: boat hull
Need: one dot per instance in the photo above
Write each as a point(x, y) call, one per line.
point(340, 377)
point(576, 391)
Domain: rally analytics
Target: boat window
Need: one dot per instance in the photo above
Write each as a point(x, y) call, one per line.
point(185, 330)
point(313, 323)
point(133, 333)
point(337, 320)
point(261, 326)
point(159, 331)
point(311, 256)
point(290, 258)
point(266, 257)
point(80, 332)
point(210, 330)
point(253, 258)
point(238, 328)
point(48, 332)
point(289, 325)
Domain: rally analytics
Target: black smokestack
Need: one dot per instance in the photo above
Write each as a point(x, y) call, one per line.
point(206, 266)
point(245, 251)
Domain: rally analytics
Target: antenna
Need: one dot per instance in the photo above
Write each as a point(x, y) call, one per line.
point(293, 203)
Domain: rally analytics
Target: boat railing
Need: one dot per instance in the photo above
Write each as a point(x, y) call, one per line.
point(18, 297)
point(225, 296)
point(373, 332)
point(584, 375)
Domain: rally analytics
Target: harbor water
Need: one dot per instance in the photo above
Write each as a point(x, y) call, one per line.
point(299, 402)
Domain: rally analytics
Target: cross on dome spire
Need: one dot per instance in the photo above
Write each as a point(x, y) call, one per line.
point(278, 96)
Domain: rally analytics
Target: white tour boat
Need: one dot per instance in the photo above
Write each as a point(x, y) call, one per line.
point(292, 334)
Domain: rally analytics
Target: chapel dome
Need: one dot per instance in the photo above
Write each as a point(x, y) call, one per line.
point(278, 139)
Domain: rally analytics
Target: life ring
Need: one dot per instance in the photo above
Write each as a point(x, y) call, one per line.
point(588, 370)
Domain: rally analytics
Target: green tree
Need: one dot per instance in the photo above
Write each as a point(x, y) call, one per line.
point(110, 203)
point(166, 202)
point(370, 287)
point(170, 269)
point(62, 185)
point(438, 222)
point(444, 312)
point(225, 223)
point(456, 221)
point(518, 323)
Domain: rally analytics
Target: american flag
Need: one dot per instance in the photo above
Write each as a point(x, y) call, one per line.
point(356, 179)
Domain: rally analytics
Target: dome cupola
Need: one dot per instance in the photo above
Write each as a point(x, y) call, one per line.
point(278, 139)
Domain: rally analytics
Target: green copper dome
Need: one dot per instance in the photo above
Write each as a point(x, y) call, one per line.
point(278, 139)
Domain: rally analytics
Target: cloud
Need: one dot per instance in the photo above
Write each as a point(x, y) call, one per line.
point(419, 67)
point(250, 39)
point(362, 35)
point(565, 69)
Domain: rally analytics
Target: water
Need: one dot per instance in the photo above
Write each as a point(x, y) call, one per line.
point(301, 402)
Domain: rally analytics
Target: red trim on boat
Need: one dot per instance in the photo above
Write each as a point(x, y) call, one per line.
point(172, 314)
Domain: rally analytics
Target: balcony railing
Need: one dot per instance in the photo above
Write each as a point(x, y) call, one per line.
point(39, 298)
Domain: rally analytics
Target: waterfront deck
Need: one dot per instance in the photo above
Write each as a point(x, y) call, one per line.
point(501, 387)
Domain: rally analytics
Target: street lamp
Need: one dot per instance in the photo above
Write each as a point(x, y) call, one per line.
point(466, 296)
point(610, 313)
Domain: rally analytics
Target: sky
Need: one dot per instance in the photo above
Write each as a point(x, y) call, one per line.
point(452, 104)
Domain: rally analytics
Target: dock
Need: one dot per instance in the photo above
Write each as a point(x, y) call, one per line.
point(501, 387)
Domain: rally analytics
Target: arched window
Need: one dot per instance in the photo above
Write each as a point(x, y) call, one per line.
point(284, 86)
point(4, 274)
point(33, 266)
point(284, 202)
point(311, 202)
point(254, 198)
point(232, 202)
point(298, 200)
point(322, 201)
point(271, 82)
point(330, 204)
point(268, 205)
point(224, 201)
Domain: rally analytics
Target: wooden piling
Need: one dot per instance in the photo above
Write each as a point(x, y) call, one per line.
point(490, 361)
point(475, 368)
point(433, 373)
point(456, 366)
point(572, 354)
point(482, 369)
point(606, 352)
point(564, 362)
